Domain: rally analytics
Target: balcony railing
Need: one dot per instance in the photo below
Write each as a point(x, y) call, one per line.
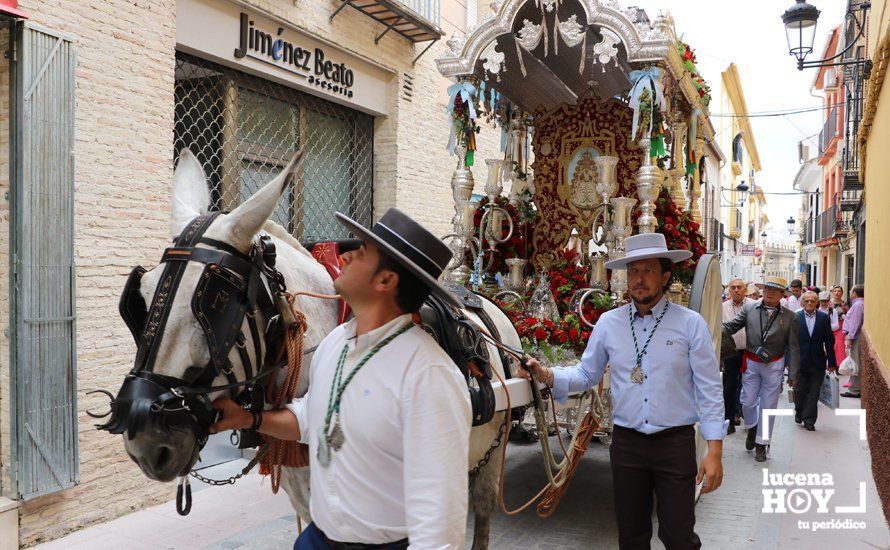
point(850, 200)
point(826, 224)
point(810, 231)
point(429, 9)
point(829, 131)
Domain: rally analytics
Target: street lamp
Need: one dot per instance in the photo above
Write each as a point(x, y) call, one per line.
point(800, 30)
point(742, 188)
point(790, 222)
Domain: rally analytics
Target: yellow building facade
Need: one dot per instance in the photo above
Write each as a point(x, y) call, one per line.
point(874, 139)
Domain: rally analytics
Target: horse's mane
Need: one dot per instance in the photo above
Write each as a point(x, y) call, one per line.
point(279, 232)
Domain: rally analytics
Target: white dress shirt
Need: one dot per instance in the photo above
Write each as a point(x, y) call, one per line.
point(730, 310)
point(681, 383)
point(405, 416)
point(792, 302)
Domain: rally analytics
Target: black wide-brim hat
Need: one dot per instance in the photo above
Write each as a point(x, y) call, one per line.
point(411, 245)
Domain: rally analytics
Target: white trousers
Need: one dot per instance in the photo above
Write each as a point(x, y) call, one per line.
point(761, 384)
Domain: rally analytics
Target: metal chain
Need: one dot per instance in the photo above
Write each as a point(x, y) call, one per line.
point(231, 481)
point(216, 482)
point(487, 457)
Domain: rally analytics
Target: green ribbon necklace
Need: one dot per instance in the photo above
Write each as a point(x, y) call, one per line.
point(332, 440)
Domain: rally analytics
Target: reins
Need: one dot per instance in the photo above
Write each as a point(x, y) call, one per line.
point(551, 494)
point(281, 452)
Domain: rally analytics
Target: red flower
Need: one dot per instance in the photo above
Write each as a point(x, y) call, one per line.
point(540, 334)
point(573, 333)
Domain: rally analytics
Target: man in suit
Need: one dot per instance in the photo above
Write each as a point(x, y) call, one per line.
point(816, 342)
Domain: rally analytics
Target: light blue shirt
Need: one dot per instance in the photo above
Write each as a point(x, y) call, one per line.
point(810, 318)
point(680, 368)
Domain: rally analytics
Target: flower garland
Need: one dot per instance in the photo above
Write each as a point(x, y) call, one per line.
point(515, 247)
point(681, 233)
point(568, 334)
point(687, 54)
point(463, 107)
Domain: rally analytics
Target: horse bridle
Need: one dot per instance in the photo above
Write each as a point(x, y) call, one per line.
point(230, 288)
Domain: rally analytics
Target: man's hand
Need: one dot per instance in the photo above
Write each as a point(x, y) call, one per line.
point(711, 468)
point(791, 382)
point(234, 416)
point(535, 369)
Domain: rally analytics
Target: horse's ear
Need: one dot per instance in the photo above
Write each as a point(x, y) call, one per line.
point(245, 221)
point(191, 196)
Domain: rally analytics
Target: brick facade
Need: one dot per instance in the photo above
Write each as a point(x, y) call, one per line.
point(123, 163)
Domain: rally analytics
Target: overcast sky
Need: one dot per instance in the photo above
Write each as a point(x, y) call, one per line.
point(750, 34)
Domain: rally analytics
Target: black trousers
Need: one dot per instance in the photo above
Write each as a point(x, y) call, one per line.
point(663, 465)
point(806, 393)
point(732, 384)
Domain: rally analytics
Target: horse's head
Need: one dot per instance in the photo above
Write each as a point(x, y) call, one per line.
point(199, 321)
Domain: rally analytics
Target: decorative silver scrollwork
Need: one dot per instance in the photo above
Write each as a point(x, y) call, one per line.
point(584, 298)
point(493, 59)
point(607, 49)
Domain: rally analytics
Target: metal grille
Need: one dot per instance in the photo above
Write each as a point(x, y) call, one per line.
point(44, 370)
point(244, 129)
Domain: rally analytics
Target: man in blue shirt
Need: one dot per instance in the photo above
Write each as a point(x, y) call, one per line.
point(664, 378)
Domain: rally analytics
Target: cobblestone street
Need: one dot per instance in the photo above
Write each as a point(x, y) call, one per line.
point(248, 516)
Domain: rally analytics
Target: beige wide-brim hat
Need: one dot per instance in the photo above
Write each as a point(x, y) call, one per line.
point(777, 283)
point(752, 288)
point(644, 247)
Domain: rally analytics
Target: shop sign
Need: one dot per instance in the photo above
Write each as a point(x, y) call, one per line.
point(228, 34)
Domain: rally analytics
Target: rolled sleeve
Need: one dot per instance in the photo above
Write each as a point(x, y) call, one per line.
point(585, 374)
point(298, 407)
point(706, 378)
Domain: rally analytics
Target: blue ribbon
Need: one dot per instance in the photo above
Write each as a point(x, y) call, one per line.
point(646, 79)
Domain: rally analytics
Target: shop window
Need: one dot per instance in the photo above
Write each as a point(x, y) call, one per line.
point(244, 129)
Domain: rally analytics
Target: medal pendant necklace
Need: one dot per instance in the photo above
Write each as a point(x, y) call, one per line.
point(331, 440)
point(636, 375)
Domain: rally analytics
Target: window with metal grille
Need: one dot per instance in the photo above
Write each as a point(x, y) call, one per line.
point(244, 129)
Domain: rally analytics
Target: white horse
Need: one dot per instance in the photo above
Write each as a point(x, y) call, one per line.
point(165, 454)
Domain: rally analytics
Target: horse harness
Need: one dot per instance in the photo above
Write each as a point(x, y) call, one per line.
point(230, 288)
point(461, 340)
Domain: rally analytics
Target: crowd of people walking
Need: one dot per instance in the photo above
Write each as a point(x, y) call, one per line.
point(772, 330)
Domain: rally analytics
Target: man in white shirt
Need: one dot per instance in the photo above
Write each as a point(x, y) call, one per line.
point(732, 363)
point(387, 414)
point(793, 302)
